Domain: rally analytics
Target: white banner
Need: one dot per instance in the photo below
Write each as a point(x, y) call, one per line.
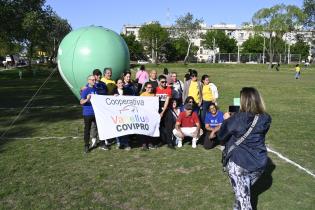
point(124, 115)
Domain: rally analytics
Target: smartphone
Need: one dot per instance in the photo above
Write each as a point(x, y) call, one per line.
point(233, 109)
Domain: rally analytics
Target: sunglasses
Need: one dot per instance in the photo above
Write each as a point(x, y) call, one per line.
point(162, 81)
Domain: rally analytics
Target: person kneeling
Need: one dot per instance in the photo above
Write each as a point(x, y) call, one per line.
point(187, 124)
point(213, 121)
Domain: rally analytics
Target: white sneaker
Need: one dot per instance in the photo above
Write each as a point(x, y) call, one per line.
point(94, 142)
point(194, 143)
point(179, 144)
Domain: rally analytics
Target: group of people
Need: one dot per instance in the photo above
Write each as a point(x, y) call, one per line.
point(190, 108)
point(185, 108)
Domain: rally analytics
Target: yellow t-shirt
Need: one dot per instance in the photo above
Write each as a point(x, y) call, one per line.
point(194, 91)
point(111, 85)
point(147, 94)
point(297, 69)
point(207, 93)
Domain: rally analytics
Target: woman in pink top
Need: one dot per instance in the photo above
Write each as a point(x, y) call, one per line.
point(142, 76)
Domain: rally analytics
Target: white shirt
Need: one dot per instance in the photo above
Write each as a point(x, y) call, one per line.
point(214, 90)
point(178, 87)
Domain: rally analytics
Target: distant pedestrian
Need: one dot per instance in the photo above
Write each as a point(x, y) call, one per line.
point(297, 71)
point(20, 74)
point(278, 67)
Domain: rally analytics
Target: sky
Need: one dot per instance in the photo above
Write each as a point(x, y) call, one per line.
point(114, 14)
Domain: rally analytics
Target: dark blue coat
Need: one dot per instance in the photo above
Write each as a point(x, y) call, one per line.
point(251, 154)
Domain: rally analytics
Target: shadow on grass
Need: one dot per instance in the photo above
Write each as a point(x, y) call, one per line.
point(263, 183)
point(35, 121)
point(27, 131)
point(17, 92)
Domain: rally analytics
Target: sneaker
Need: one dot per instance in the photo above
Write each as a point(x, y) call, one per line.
point(104, 147)
point(179, 143)
point(127, 148)
point(194, 143)
point(86, 149)
point(171, 146)
point(151, 146)
point(144, 147)
point(94, 143)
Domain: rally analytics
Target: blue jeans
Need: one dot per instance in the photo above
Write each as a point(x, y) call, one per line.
point(297, 75)
point(122, 141)
point(205, 106)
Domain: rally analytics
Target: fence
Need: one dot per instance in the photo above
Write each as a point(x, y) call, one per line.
point(252, 58)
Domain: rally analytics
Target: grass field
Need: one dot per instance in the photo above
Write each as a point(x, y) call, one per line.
point(53, 172)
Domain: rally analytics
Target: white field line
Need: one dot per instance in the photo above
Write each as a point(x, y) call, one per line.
point(291, 162)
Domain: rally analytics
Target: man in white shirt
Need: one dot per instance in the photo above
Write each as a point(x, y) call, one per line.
point(178, 87)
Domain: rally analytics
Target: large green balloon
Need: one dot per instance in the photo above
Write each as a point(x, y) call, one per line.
point(89, 48)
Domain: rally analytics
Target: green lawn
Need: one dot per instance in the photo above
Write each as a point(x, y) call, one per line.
point(53, 173)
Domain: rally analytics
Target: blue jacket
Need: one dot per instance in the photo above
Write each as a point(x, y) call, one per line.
point(251, 154)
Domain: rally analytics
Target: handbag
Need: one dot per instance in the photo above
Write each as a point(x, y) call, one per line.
point(226, 153)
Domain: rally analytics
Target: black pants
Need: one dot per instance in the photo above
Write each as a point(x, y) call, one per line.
point(87, 127)
point(145, 140)
point(210, 143)
point(166, 136)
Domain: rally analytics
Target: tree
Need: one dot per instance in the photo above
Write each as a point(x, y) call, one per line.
point(217, 38)
point(255, 44)
point(176, 49)
point(301, 48)
point(135, 47)
point(56, 29)
point(31, 24)
point(309, 11)
point(153, 37)
point(274, 22)
point(188, 28)
point(7, 47)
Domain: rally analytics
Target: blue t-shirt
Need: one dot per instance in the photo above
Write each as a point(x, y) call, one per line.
point(130, 89)
point(87, 107)
point(100, 88)
point(214, 121)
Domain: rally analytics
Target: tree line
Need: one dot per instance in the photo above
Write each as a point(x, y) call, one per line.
point(30, 26)
point(269, 25)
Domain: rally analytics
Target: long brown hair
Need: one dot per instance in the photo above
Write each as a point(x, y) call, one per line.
point(251, 101)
